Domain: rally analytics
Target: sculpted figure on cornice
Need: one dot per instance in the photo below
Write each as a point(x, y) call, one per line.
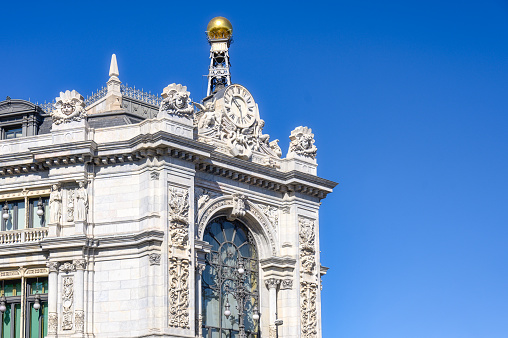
point(69, 106)
point(55, 204)
point(176, 101)
point(302, 143)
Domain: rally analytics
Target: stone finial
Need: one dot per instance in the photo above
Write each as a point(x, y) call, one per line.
point(113, 68)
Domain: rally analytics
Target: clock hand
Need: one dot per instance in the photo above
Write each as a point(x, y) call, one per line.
point(239, 108)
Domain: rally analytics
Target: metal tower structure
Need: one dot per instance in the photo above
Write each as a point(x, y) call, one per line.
point(219, 32)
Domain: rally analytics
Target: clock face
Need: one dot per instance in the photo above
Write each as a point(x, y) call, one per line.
point(240, 106)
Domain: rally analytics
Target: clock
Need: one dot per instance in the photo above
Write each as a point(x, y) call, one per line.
point(239, 106)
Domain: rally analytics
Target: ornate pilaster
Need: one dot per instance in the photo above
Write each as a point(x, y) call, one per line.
point(79, 295)
point(179, 258)
point(272, 284)
point(308, 278)
point(52, 298)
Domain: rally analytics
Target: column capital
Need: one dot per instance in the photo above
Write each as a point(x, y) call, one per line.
point(80, 264)
point(52, 266)
point(272, 283)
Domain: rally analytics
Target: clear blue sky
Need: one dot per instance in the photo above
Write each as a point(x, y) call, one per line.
point(407, 99)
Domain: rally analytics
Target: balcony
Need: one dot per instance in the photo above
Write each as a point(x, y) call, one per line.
point(23, 236)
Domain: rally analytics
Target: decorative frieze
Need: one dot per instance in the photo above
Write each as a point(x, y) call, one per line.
point(179, 217)
point(308, 309)
point(179, 293)
point(52, 323)
point(79, 320)
point(67, 302)
point(67, 267)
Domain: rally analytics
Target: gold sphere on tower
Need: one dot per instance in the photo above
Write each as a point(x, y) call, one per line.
point(219, 28)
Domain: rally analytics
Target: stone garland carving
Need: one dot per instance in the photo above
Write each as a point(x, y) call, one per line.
point(70, 205)
point(307, 245)
point(308, 308)
point(79, 320)
point(176, 101)
point(239, 207)
point(69, 106)
point(55, 204)
point(52, 323)
point(179, 261)
point(81, 202)
point(302, 143)
point(67, 302)
point(154, 259)
point(179, 292)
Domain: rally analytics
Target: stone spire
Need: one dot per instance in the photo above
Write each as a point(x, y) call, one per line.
point(114, 95)
point(113, 68)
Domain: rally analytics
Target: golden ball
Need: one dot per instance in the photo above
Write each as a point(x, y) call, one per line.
point(219, 28)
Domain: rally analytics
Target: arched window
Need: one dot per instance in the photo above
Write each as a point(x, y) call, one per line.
point(230, 281)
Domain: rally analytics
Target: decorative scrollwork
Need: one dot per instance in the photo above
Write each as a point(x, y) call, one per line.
point(307, 245)
point(179, 293)
point(179, 217)
point(308, 308)
point(67, 302)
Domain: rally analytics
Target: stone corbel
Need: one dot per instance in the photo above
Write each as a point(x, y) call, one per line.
point(239, 207)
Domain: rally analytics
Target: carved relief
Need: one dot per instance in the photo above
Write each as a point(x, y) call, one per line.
point(272, 283)
point(272, 332)
point(302, 143)
point(70, 205)
point(307, 245)
point(69, 106)
point(179, 293)
point(52, 266)
point(55, 204)
point(81, 202)
point(67, 302)
point(52, 323)
point(239, 207)
point(272, 213)
point(154, 259)
point(80, 320)
point(274, 145)
point(176, 101)
point(203, 196)
point(79, 264)
point(154, 175)
point(308, 308)
point(179, 217)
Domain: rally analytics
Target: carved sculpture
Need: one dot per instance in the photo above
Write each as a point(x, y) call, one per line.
point(239, 207)
point(81, 202)
point(67, 302)
point(154, 259)
point(272, 213)
point(79, 320)
point(69, 106)
point(203, 196)
point(176, 101)
point(52, 323)
point(302, 143)
point(55, 202)
point(274, 145)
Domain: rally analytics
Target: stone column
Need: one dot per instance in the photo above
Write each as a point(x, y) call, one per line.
point(52, 298)
point(200, 268)
point(272, 284)
point(79, 295)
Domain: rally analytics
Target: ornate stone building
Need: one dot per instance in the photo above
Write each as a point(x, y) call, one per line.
point(127, 214)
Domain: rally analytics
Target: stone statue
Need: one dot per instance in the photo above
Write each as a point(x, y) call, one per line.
point(81, 202)
point(55, 204)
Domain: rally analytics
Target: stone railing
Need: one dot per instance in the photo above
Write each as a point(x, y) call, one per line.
point(23, 236)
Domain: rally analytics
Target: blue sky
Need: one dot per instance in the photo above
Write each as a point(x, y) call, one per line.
point(407, 99)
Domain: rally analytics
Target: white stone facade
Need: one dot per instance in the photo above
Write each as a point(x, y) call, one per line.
point(129, 204)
